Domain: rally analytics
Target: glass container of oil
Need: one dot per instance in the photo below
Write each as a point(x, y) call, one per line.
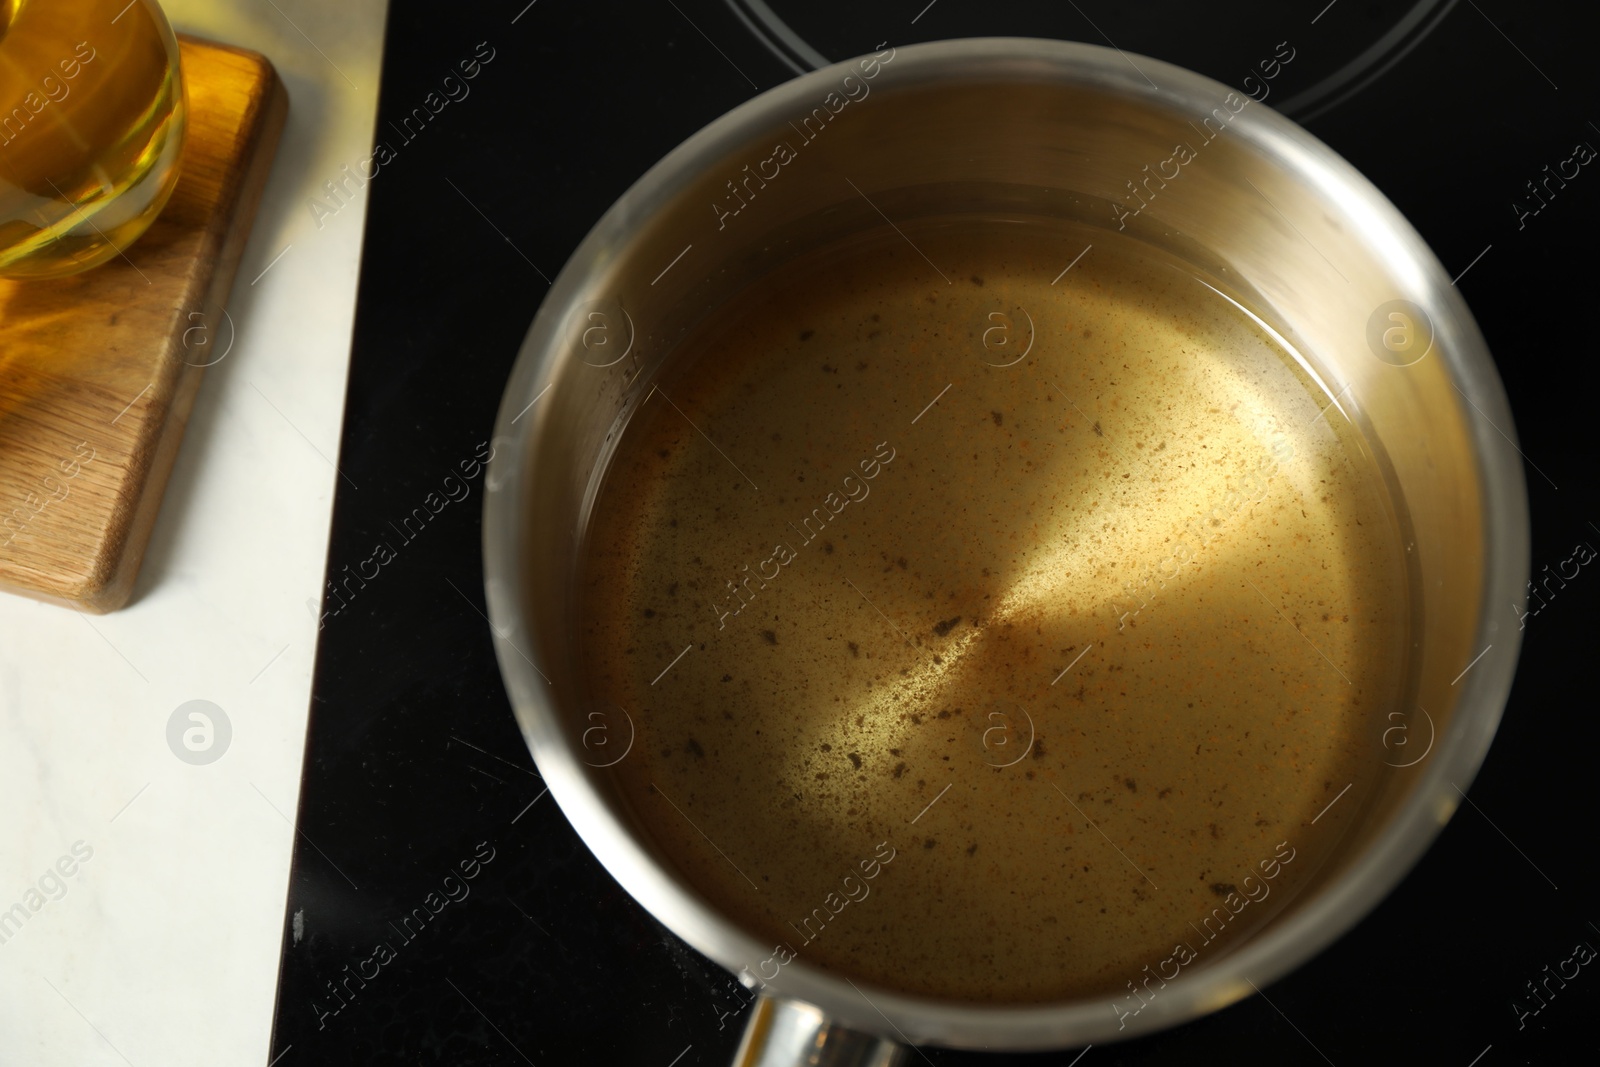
point(92, 117)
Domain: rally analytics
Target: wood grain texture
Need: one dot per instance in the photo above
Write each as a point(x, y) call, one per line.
point(97, 377)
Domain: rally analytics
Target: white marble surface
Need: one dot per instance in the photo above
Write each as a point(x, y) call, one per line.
point(161, 948)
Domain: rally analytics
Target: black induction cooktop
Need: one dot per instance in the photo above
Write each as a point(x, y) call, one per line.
point(440, 908)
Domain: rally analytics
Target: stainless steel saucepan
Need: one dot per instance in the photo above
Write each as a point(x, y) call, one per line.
point(1021, 127)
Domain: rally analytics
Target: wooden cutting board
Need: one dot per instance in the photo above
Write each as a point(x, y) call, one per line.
point(98, 372)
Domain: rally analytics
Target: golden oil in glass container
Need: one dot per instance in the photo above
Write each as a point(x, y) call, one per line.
point(91, 124)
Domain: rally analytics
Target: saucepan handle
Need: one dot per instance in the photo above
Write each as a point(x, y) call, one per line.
point(792, 1033)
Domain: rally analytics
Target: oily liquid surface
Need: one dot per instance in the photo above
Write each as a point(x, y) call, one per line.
point(982, 669)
